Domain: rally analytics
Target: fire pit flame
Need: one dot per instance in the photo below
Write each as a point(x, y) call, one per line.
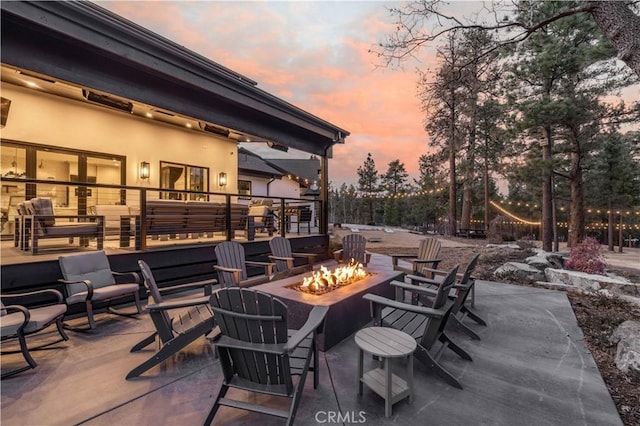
point(325, 280)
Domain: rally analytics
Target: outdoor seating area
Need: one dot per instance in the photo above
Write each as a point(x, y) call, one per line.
point(555, 383)
point(37, 221)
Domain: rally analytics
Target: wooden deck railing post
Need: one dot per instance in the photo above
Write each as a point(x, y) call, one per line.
point(283, 218)
point(227, 218)
point(141, 231)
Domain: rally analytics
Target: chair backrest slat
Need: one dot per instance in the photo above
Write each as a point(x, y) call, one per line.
point(270, 329)
point(231, 255)
point(152, 287)
point(442, 294)
point(280, 247)
point(354, 247)
point(429, 249)
point(469, 269)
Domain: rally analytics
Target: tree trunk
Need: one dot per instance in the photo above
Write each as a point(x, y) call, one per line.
point(621, 26)
point(467, 202)
point(576, 223)
point(610, 229)
point(453, 196)
point(486, 195)
point(452, 190)
point(547, 192)
point(620, 235)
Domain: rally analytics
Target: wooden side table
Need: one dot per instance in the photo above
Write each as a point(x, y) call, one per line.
point(386, 343)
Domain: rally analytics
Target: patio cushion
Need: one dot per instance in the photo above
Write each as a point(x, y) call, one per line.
point(87, 266)
point(104, 293)
point(39, 317)
point(77, 229)
point(44, 207)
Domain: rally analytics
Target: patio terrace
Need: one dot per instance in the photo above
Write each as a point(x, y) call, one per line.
point(530, 368)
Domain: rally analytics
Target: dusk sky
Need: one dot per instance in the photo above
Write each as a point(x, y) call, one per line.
point(314, 55)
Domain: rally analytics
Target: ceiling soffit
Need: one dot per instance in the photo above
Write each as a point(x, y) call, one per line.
point(89, 46)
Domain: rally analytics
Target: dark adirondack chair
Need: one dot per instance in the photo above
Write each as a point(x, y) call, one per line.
point(283, 257)
point(232, 266)
point(88, 278)
point(354, 246)
point(193, 319)
point(424, 321)
point(18, 321)
point(259, 354)
point(427, 257)
point(462, 289)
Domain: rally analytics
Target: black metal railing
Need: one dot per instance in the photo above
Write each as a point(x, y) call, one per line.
point(83, 198)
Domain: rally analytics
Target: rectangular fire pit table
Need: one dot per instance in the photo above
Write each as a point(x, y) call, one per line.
point(348, 312)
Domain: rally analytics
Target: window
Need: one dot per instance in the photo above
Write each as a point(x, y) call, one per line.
point(183, 177)
point(244, 188)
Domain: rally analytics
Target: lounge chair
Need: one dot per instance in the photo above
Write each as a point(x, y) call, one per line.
point(40, 222)
point(259, 354)
point(427, 257)
point(232, 266)
point(284, 258)
point(353, 247)
point(424, 321)
point(18, 321)
point(88, 278)
point(461, 290)
point(193, 320)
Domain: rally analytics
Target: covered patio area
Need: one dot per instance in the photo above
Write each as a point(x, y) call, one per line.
point(530, 368)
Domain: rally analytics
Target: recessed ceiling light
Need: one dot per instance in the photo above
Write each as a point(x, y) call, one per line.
point(149, 115)
point(188, 125)
point(32, 84)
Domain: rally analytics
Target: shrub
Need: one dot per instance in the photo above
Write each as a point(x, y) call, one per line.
point(586, 257)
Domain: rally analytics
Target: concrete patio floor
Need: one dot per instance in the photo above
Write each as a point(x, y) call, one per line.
point(530, 368)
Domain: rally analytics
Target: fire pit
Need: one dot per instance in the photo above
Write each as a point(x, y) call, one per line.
point(324, 281)
point(348, 312)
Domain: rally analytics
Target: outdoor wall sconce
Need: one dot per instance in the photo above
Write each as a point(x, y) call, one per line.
point(222, 179)
point(144, 170)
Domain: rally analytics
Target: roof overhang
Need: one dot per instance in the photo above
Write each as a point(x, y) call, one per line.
point(84, 44)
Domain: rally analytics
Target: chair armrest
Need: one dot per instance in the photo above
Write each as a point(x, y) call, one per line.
point(52, 291)
point(10, 309)
point(402, 256)
point(435, 271)
point(268, 266)
point(135, 275)
point(375, 299)
point(206, 285)
point(424, 280)
point(289, 261)
point(280, 258)
point(181, 303)
point(85, 282)
point(226, 269)
point(412, 288)
point(267, 348)
point(420, 261)
point(307, 255)
point(67, 216)
point(314, 321)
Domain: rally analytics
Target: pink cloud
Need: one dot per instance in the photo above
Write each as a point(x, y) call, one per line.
point(314, 55)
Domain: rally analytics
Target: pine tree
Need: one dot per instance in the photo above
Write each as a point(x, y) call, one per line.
point(394, 182)
point(368, 185)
